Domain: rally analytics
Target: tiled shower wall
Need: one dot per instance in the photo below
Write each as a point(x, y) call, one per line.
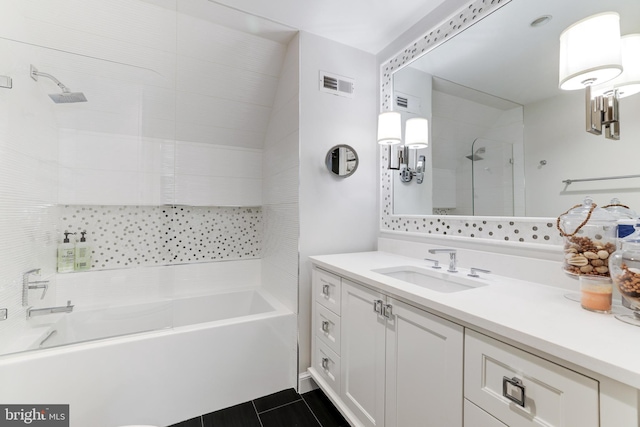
point(136, 236)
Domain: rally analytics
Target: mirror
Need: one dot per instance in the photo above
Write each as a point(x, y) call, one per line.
point(504, 136)
point(342, 160)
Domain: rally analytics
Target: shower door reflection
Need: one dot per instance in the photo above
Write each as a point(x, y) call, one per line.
point(492, 177)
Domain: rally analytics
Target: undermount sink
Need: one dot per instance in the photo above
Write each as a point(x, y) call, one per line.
point(429, 279)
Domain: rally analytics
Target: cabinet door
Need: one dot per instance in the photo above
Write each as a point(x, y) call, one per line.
point(424, 369)
point(362, 354)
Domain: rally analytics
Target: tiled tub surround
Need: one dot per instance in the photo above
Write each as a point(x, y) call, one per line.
point(134, 236)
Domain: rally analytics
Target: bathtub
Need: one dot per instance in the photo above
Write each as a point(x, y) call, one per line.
point(157, 363)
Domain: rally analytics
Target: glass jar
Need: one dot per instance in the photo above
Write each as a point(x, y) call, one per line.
point(625, 272)
point(589, 239)
point(625, 216)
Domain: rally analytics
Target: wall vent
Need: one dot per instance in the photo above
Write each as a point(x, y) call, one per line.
point(408, 103)
point(336, 85)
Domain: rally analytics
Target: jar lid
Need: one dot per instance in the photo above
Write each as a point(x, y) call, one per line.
point(587, 213)
point(619, 210)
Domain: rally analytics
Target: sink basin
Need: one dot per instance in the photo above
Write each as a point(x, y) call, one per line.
point(429, 279)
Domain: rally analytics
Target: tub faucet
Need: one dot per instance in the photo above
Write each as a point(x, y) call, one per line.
point(27, 285)
point(32, 312)
point(452, 258)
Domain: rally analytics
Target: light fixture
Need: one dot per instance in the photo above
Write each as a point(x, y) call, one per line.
point(389, 128)
point(416, 137)
point(627, 83)
point(590, 54)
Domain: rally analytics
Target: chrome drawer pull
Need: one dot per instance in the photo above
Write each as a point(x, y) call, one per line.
point(377, 306)
point(514, 390)
point(325, 290)
point(325, 363)
point(387, 311)
point(325, 326)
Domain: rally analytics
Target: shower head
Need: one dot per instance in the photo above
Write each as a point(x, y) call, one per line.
point(66, 97)
point(476, 154)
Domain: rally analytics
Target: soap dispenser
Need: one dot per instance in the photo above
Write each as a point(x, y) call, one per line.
point(66, 255)
point(82, 254)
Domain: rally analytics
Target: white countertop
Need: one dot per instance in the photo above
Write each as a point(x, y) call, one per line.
point(532, 314)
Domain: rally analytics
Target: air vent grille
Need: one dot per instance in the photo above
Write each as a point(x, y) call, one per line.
point(336, 85)
point(408, 103)
point(402, 102)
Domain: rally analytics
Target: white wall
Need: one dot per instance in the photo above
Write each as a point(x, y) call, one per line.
point(28, 185)
point(280, 184)
point(336, 214)
point(554, 131)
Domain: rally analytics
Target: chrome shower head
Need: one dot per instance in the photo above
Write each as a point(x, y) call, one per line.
point(66, 97)
point(476, 154)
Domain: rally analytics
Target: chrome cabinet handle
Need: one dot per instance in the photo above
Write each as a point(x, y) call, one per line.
point(325, 326)
point(387, 311)
point(514, 390)
point(325, 363)
point(325, 290)
point(377, 306)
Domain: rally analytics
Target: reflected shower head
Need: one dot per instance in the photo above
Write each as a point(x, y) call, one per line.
point(66, 97)
point(475, 156)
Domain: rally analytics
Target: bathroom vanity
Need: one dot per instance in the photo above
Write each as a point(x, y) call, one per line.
point(399, 343)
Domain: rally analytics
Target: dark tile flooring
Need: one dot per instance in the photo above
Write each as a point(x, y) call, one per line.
point(283, 409)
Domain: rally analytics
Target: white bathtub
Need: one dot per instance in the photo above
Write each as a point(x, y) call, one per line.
point(164, 362)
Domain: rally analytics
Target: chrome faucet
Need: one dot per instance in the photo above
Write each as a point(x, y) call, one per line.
point(32, 312)
point(452, 258)
point(28, 285)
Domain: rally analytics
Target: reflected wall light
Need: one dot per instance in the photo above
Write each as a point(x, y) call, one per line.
point(628, 82)
point(416, 137)
point(590, 54)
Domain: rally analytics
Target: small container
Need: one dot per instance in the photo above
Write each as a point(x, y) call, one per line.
point(589, 239)
point(596, 293)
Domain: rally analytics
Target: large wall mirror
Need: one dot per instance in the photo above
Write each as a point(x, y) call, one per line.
point(504, 137)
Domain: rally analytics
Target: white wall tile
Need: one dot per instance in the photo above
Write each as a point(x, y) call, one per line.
point(217, 191)
point(217, 161)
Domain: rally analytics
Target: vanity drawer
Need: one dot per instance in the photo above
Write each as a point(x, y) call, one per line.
point(326, 289)
point(553, 396)
point(327, 363)
point(327, 328)
point(476, 417)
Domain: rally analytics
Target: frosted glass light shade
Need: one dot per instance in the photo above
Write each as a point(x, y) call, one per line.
point(389, 128)
point(416, 133)
point(590, 51)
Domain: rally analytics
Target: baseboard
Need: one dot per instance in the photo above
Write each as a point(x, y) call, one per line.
point(306, 383)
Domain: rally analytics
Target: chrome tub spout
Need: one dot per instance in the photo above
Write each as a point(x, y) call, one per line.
point(32, 312)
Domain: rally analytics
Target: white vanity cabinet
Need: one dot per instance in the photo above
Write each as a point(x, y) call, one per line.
point(399, 366)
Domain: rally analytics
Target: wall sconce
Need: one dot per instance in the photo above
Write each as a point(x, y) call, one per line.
point(416, 137)
point(591, 54)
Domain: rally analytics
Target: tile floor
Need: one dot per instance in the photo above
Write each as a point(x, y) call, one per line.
point(283, 409)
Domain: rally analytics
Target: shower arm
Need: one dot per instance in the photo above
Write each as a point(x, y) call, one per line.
point(35, 73)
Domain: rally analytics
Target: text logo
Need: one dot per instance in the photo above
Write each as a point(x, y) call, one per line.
point(34, 415)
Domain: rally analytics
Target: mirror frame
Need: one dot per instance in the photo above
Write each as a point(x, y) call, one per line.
point(328, 162)
point(537, 230)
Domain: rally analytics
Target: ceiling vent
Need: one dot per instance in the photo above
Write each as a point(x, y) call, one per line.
point(408, 103)
point(336, 85)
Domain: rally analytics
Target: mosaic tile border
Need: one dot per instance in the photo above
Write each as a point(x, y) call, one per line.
point(513, 229)
point(134, 236)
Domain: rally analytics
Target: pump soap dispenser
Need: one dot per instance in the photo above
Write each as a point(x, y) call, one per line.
point(82, 254)
point(66, 255)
